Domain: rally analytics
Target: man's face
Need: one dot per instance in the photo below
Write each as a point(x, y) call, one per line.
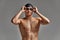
point(28, 10)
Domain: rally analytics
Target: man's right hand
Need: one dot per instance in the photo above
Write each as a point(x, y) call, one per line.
point(22, 9)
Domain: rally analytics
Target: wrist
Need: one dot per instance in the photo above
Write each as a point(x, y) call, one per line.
point(20, 12)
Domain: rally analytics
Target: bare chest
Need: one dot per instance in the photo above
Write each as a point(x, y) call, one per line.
point(30, 25)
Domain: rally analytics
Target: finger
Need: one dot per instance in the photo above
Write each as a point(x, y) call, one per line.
point(23, 7)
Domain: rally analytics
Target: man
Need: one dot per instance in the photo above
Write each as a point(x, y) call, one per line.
point(29, 26)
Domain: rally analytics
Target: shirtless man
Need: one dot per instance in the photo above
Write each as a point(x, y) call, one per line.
point(29, 26)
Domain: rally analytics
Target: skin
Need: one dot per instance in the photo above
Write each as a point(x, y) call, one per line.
point(29, 26)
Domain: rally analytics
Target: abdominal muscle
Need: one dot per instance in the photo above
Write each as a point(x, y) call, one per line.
point(30, 36)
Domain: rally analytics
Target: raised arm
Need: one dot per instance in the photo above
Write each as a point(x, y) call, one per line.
point(44, 20)
point(16, 19)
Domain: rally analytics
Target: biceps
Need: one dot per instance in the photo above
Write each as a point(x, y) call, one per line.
point(44, 22)
point(39, 18)
point(16, 21)
point(41, 21)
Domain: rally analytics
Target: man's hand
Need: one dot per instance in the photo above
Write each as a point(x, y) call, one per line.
point(22, 9)
point(35, 9)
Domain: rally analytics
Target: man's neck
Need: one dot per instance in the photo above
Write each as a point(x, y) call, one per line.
point(29, 17)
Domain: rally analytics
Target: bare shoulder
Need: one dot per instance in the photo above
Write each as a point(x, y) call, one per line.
point(22, 19)
point(38, 18)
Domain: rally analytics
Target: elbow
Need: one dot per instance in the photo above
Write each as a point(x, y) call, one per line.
point(13, 21)
point(46, 22)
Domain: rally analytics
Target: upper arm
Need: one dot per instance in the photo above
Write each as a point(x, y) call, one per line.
point(39, 19)
point(16, 21)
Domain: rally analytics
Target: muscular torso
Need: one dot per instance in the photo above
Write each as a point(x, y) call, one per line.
point(29, 29)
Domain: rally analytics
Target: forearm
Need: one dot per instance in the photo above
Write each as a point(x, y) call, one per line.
point(17, 15)
point(43, 17)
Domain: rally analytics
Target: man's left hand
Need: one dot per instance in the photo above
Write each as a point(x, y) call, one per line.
point(35, 9)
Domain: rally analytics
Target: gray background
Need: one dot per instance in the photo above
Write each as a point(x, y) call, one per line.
point(49, 8)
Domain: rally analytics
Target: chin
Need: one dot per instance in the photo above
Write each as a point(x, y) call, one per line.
point(28, 15)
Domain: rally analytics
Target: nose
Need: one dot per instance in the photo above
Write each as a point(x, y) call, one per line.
point(29, 10)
